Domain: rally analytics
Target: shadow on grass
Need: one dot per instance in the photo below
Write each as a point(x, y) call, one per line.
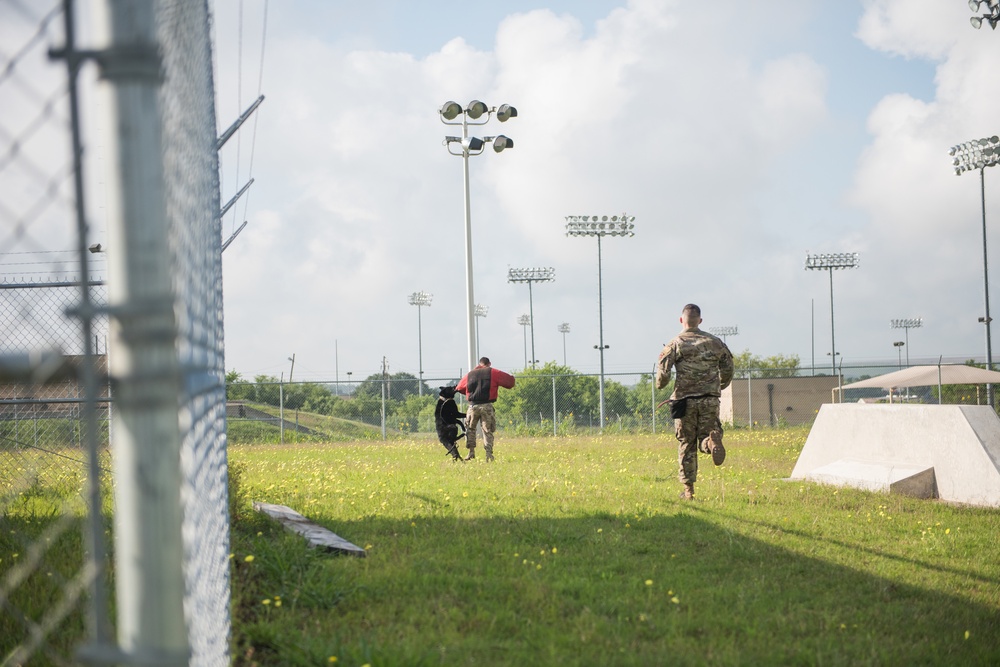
point(590, 590)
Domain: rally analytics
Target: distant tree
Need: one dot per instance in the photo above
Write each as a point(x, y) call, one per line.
point(237, 389)
point(776, 366)
point(399, 386)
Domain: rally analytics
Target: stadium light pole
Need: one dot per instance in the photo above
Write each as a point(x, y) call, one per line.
point(600, 226)
point(830, 262)
point(537, 275)
point(979, 154)
point(992, 18)
point(463, 147)
point(481, 311)
point(907, 324)
point(564, 329)
point(420, 299)
point(899, 353)
point(525, 321)
point(723, 332)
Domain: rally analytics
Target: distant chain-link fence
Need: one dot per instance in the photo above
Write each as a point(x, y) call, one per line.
point(390, 407)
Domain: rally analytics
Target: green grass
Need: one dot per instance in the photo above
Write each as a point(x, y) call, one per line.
point(326, 428)
point(577, 551)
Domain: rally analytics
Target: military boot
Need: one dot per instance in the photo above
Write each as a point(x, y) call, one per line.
point(688, 492)
point(472, 454)
point(715, 447)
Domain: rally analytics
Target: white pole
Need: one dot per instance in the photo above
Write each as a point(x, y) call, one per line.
point(470, 306)
point(600, 319)
point(148, 544)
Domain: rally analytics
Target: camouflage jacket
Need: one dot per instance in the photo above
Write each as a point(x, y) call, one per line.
point(703, 363)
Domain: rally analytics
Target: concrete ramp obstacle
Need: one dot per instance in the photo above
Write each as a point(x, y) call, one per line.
point(951, 452)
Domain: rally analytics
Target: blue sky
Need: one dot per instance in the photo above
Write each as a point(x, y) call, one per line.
point(740, 140)
point(740, 136)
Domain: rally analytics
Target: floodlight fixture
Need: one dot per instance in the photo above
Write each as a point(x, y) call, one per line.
point(600, 226)
point(420, 299)
point(505, 112)
point(992, 18)
point(831, 262)
point(907, 323)
point(476, 109)
point(975, 154)
point(479, 113)
point(535, 275)
point(604, 225)
point(472, 144)
point(723, 332)
point(836, 260)
point(564, 329)
point(501, 143)
point(980, 154)
point(450, 110)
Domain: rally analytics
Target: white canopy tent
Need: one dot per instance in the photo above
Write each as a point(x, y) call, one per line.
point(928, 376)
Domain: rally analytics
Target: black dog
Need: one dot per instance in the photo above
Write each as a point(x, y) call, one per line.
point(447, 419)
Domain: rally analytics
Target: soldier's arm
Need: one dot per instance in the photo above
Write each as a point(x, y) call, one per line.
point(726, 368)
point(663, 366)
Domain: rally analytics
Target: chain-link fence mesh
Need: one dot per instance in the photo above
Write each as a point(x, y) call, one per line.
point(44, 573)
point(397, 406)
point(192, 204)
point(44, 568)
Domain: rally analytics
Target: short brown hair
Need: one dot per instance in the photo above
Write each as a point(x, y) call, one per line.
point(485, 361)
point(691, 309)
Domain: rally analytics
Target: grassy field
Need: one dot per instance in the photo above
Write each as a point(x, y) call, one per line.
point(577, 551)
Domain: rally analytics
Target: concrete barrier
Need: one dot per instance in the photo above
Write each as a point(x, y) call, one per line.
point(876, 446)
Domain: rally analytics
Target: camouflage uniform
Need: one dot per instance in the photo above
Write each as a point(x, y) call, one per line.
point(704, 367)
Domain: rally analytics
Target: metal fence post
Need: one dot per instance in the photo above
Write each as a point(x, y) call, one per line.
point(749, 399)
point(148, 541)
point(555, 418)
point(652, 398)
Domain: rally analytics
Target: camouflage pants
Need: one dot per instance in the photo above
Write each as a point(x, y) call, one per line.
point(701, 418)
point(484, 416)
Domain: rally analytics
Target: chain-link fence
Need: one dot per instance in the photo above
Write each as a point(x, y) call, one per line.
point(399, 406)
point(46, 448)
point(137, 361)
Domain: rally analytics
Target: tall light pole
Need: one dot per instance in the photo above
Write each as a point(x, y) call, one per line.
point(907, 324)
point(292, 369)
point(463, 147)
point(830, 262)
point(899, 353)
point(992, 18)
point(979, 154)
point(564, 329)
point(600, 226)
point(481, 311)
point(420, 299)
point(525, 321)
point(538, 275)
point(723, 332)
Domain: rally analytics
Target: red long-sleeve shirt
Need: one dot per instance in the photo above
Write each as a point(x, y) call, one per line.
point(482, 383)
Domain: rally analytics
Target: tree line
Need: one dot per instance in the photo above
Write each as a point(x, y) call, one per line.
point(531, 399)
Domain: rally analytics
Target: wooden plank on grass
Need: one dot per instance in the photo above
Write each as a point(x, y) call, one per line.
point(317, 536)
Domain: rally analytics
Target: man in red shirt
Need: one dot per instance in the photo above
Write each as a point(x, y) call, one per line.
point(481, 386)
